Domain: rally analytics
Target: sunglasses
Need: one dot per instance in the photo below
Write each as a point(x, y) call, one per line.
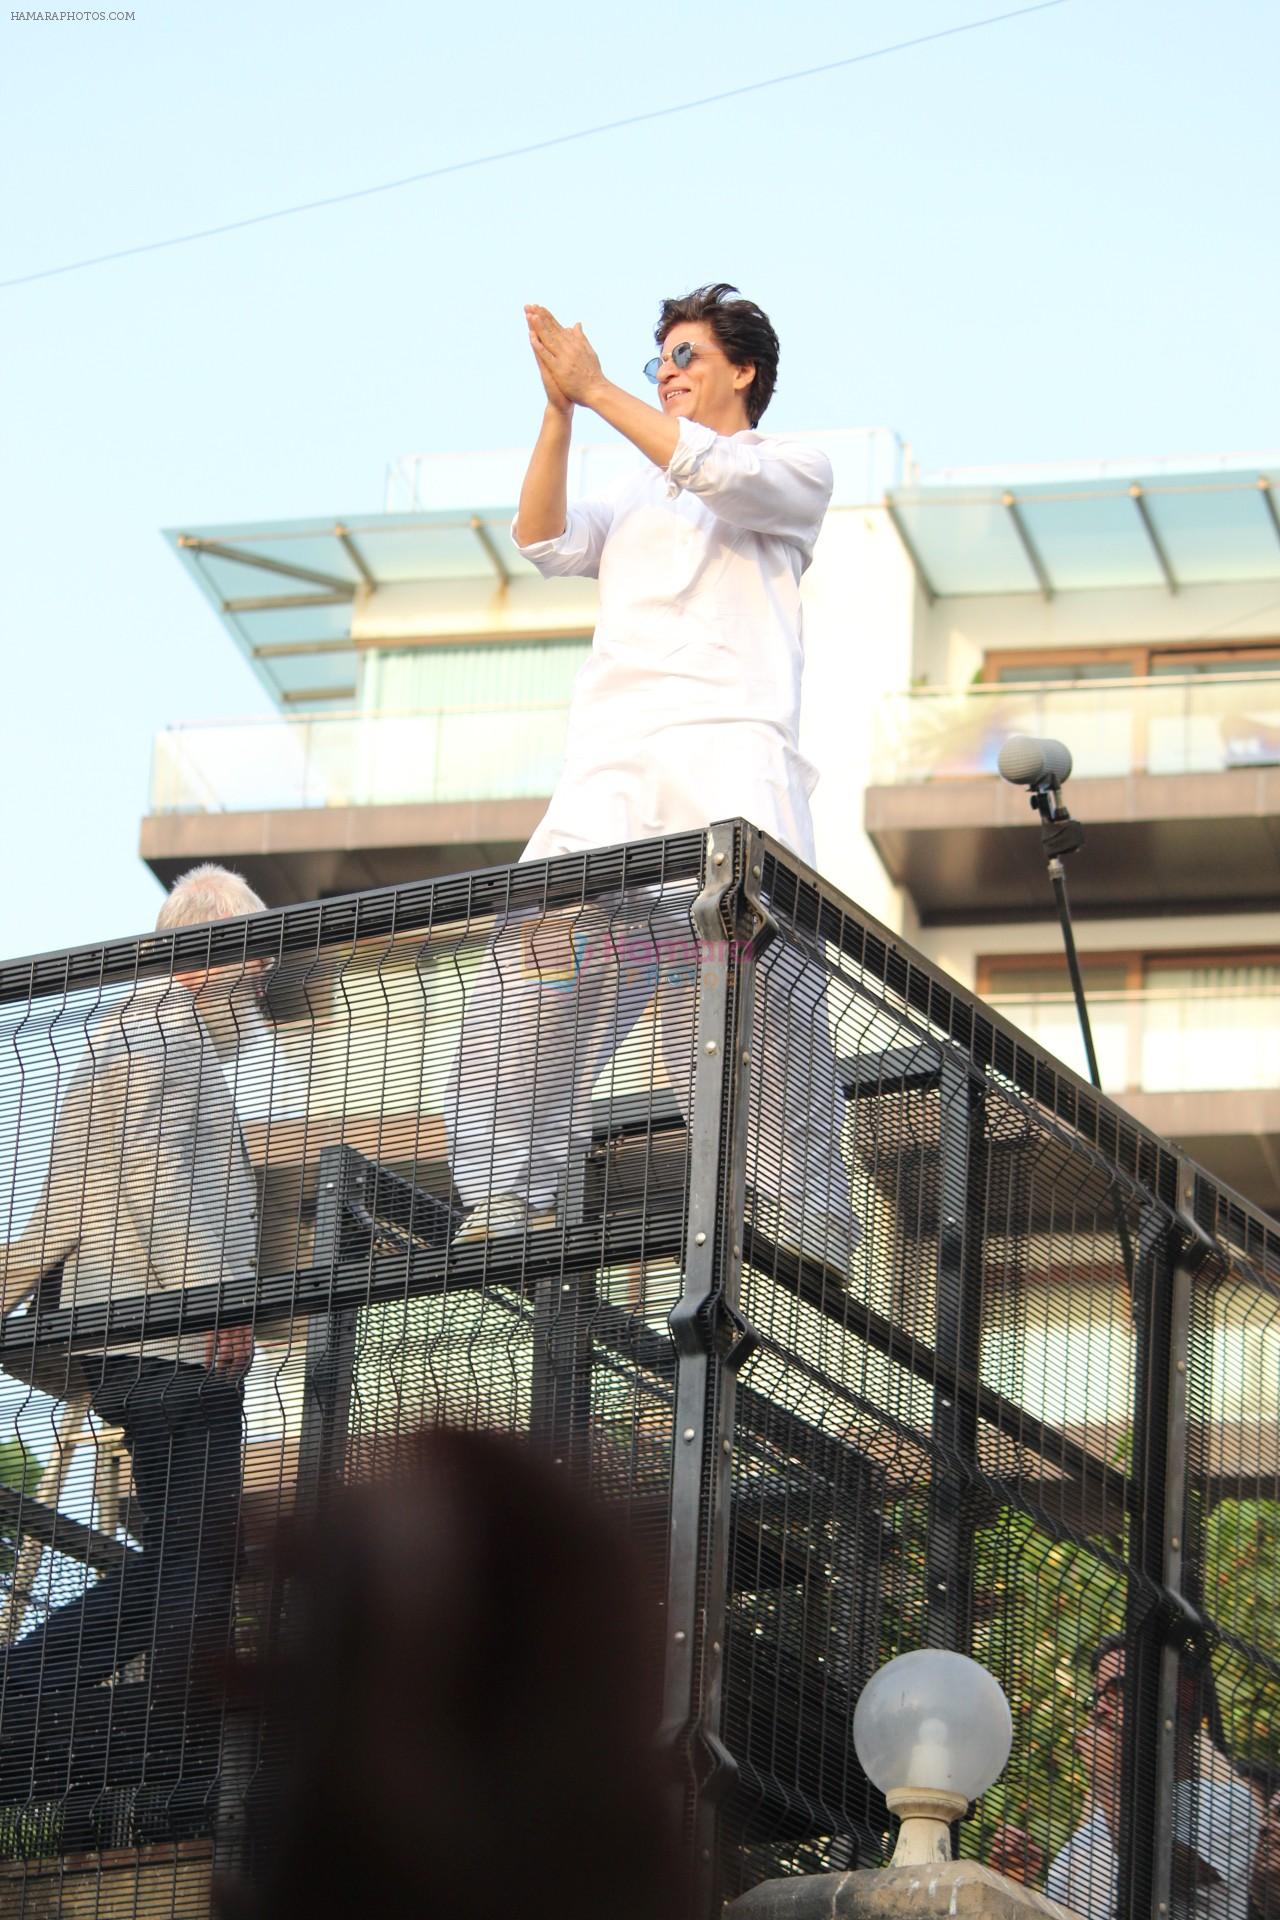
point(679, 357)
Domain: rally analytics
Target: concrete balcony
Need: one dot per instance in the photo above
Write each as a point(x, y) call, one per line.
point(1176, 779)
point(1202, 1068)
point(328, 803)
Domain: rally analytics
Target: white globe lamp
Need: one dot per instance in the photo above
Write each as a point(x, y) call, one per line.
point(933, 1731)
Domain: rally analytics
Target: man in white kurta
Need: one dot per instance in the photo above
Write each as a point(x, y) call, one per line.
point(686, 711)
point(1216, 1824)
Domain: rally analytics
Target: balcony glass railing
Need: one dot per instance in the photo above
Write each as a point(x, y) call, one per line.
point(1159, 1042)
point(1198, 724)
point(344, 760)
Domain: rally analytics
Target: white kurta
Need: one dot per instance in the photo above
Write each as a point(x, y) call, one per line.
point(1216, 1819)
point(688, 708)
point(685, 712)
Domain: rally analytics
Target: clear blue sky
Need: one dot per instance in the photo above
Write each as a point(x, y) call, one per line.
point(1051, 239)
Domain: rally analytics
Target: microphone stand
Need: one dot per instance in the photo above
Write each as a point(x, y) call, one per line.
point(1059, 836)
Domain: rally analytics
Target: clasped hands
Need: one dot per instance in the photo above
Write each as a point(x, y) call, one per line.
point(570, 368)
point(229, 1351)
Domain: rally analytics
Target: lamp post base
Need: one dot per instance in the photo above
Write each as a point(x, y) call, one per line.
point(924, 1838)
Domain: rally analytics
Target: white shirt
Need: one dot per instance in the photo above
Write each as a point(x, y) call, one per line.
point(1083, 1876)
point(1216, 1819)
point(687, 709)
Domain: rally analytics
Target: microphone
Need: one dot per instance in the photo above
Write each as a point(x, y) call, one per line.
point(1025, 761)
point(1043, 765)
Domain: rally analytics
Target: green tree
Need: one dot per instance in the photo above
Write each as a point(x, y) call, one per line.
point(20, 1470)
point(24, 1832)
point(1041, 1605)
point(1242, 1598)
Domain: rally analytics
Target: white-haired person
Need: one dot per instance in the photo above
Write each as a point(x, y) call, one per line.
point(149, 1191)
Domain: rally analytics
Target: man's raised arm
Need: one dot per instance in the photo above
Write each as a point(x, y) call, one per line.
point(544, 503)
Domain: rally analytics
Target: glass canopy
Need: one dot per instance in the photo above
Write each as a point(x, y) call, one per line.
point(287, 591)
point(1049, 536)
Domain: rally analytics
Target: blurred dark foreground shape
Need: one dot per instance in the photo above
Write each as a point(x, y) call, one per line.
point(462, 1719)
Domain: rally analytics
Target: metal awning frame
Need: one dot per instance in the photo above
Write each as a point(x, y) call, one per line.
point(334, 588)
point(1014, 505)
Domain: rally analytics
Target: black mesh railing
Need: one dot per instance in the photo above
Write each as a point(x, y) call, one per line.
point(877, 1327)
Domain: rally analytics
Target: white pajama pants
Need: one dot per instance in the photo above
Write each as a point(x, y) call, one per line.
point(555, 998)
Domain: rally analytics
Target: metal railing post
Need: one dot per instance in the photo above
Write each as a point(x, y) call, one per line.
point(331, 1342)
point(322, 1443)
point(957, 1341)
point(711, 1342)
point(1162, 1269)
point(1172, 1537)
point(560, 1389)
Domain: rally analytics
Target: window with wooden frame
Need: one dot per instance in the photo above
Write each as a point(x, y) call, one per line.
point(1126, 970)
point(1027, 665)
point(1169, 1021)
point(1192, 660)
point(1004, 975)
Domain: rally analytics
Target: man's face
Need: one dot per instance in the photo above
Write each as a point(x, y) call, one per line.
point(210, 985)
point(1107, 1706)
point(710, 389)
point(1098, 1740)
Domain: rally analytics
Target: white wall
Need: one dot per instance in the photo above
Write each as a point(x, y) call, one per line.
point(956, 949)
point(859, 601)
point(953, 634)
point(410, 610)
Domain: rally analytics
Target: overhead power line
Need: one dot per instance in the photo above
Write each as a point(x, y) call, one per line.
point(532, 146)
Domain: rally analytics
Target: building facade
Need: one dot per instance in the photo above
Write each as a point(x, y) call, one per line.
point(422, 672)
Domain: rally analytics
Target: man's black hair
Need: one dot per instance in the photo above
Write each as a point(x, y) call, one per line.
point(743, 333)
point(1197, 1668)
point(1112, 1643)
